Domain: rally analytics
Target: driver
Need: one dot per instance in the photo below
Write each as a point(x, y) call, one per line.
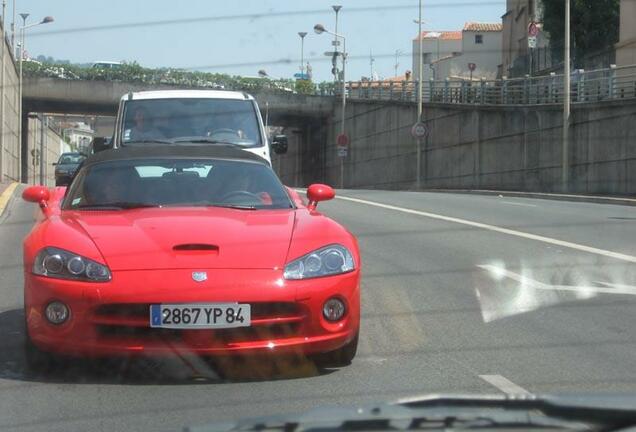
point(143, 128)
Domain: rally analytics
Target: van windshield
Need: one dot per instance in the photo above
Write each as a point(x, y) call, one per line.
point(180, 119)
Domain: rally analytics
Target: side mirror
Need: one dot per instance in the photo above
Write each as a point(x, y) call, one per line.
point(100, 144)
point(279, 144)
point(36, 194)
point(319, 192)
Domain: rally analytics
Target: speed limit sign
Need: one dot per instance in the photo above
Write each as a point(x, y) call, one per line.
point(419, 130)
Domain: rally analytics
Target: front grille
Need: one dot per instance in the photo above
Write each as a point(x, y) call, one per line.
point(131, 321)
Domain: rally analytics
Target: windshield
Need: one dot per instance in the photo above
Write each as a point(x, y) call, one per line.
point(176, 183)
point(374, 200)
point(70, 159)
point(184, 119)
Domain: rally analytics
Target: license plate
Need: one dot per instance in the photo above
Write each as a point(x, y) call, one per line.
point(200, 316)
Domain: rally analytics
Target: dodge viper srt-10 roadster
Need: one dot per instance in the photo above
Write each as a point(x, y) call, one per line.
point(153, 250)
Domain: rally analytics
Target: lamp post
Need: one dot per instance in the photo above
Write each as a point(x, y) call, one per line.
point(319, 29)
point(335, 43)
point(23, 29)
point(566, 102)
point(418, 149)
point(302, 53)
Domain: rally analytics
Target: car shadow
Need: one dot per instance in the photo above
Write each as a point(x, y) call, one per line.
point(178, 369)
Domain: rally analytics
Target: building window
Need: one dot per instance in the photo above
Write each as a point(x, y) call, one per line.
point(479, 39)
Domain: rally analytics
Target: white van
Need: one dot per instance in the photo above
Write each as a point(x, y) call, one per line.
point(205, 117)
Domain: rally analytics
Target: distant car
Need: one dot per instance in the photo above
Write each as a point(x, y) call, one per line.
point(107, 65)
point(180, 117)
point(66, 166)
point(164, 250)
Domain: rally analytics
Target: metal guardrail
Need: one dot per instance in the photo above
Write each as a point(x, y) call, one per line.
point(586, 86)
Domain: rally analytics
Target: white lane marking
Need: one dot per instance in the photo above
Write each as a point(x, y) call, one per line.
point(6, 195)
point(518, 204)
point(556, 242)
point(526, 281)
point(504, 384)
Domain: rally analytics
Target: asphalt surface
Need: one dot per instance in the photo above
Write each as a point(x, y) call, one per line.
point(446, 306)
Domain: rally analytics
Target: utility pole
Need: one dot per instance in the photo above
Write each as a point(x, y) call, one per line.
point(371, 61)
point(43, 126)
point(566, 102)
point(397, 59)
point(421, 71)
point(302, 53)
point(335, 44)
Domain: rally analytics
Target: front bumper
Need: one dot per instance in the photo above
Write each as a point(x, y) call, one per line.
point(113, 318)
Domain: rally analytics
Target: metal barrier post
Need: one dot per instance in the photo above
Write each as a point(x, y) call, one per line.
point(552, 87)
point(482, 88)
point(611, 84)
point(504, 90)
point(431, 86)
point(580, 86)
point(526, 89)
point(446, 86)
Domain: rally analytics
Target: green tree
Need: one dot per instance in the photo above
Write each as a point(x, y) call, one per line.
point(594, 25)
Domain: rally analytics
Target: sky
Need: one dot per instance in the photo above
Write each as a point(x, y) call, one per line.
point(241, 37)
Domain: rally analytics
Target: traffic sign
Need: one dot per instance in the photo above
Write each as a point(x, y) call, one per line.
point(419, 130)
point(472, 67)
point(342, 152)
point(342, 140)
point(532, 41)
point(301, 76)
point(332, 53)
point(533, 29)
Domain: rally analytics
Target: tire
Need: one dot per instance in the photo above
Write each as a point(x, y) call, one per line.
point(340, 357)
point(36, 360)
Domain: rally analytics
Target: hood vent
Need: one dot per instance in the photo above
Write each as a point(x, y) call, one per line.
point(196, 247)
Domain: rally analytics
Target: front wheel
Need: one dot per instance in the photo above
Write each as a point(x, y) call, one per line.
point(36, 360)
point(340, 357)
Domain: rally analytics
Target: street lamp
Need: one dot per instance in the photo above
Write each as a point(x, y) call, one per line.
point(24, 16)
point(302, 53)
point(566, 103)
point(319, 29)
point(336, 9)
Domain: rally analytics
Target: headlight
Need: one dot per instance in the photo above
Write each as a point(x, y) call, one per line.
point(61, 264)
point(327, 261)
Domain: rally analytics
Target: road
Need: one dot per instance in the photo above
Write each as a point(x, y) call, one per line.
point(460, 293)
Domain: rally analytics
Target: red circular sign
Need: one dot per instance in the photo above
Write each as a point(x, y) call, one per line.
point(533, 29)
point(472, 67)
point(342, 140)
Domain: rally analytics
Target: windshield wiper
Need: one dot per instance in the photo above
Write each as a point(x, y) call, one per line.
point(207, 140)
point(115, 206)
point(148, 141)
point(443, 413)
point(234, 206)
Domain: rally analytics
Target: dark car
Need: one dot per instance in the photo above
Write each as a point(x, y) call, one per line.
point(66, 166)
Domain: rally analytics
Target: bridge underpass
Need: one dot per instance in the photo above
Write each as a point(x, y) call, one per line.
point(303, 118)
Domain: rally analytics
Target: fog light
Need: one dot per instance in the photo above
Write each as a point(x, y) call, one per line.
point(56, 312)
point(333, 309)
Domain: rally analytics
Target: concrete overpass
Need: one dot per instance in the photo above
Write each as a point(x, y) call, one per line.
point(304, 118)
point(54, 95)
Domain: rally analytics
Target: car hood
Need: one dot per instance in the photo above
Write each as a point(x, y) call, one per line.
point(160, 238)
point(66, 167)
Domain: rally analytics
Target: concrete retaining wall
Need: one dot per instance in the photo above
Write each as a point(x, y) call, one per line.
point(9, 125)
point(53, 146)
point(507, 148)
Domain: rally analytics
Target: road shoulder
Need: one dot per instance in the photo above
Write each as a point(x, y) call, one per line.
point(6, 192)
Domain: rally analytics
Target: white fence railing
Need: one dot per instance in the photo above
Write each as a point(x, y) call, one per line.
point(586, 86)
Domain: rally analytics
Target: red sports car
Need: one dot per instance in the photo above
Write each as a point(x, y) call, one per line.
point(155, 250)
